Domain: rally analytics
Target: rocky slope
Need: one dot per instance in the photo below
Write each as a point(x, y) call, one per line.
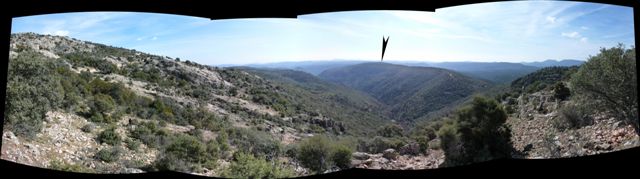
point(536, 135)
point(228, 95)
point(392, 160)
point(63, 140)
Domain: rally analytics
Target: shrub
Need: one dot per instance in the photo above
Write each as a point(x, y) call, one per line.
point(435, 144)
point(423, 142)
point(609, 82)
point(378, 144)
point(258, 143)
point(59, 165)
point(188, 148)
point(291, 150)
point(149, 134)
point(162, 123)
point(391, 130)
point(182, 154)
point(213, 149)
point(173, 163)
point(248, 166)
point(450, 140)
point(96, 117)
point(313, 153)
point(110, 154)
point(33, 89)
point(341, 156)
point(133, 144)
point(560, 91)
point(477, 133)
point(103, 104)
point(88, 128)
point(425, 133)
point(109, 136)
point(571, 117)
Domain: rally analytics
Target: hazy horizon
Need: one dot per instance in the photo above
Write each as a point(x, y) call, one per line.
point(391, 61)
point(522, 31)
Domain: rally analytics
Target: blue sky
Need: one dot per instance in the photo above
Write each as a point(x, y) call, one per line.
point(519, 31)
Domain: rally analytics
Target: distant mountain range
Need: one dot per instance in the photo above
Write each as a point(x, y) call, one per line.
point(497, 72)
point(550, 63)
point(312, 67)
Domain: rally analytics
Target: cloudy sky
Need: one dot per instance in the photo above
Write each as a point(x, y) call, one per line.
point(501, 31)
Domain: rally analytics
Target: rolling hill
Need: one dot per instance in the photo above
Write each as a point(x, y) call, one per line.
point(497, 72)
point(357, 110)
point(410, 92)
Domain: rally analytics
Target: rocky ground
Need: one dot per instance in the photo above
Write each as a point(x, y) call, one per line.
point(63, 140)
point(534, 134)
point(392, 160)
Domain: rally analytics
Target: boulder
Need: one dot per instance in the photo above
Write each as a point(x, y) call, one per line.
point(604, 147)
point(410, 149)
point(360, 155)
point(131, 170)
point(390, 154)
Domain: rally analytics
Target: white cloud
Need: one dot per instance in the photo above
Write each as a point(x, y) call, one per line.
point(154, 38)
point(584, 28)
point(583, 39)
point(58, 32)
point(61, 33)
point(575, 35)
point(572, 35)
point(551, 19)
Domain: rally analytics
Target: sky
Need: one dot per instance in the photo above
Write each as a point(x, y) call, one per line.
point(521, 31)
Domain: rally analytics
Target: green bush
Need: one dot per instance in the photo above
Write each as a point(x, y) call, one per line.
point(341, 156)
point(423, 141)
point(392, 130)
point(313, 153)
point(378, 144)
point(423, 134)
point(187, 147)
point(258, 143)
point(172, 163)
point(186, 153)
point(560, 91)
point(477, 133)
point(571, 117)
point(319, 153)
point(102, 105)
point(291, 150)
point(248, 166)
point(451, 143)
point(133, 144)
point(150, 134)
point(110, 154)
point(109, 136)
point(608, 81)
point(33, 89)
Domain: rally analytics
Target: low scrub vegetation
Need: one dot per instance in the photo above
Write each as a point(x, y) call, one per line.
point(319, 153)
point(477, 133)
